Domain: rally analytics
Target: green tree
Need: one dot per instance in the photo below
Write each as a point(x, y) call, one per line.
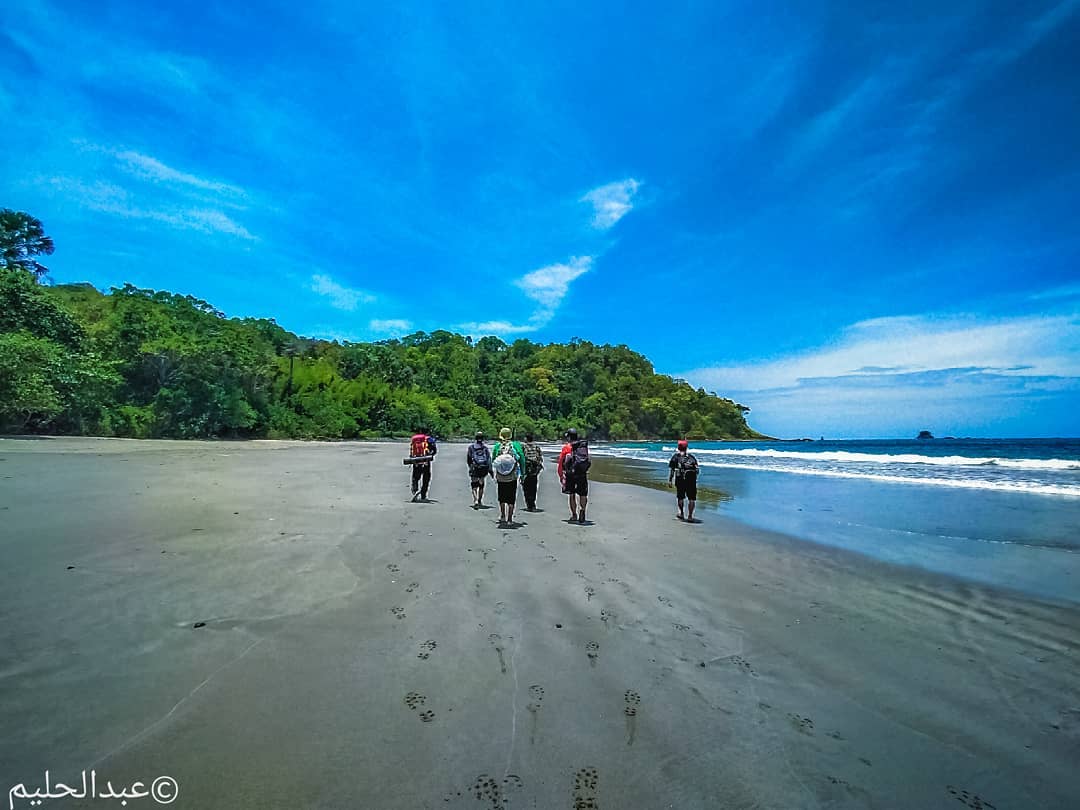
point(22, 237)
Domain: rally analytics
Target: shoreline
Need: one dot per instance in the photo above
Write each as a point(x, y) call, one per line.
point(356, 649)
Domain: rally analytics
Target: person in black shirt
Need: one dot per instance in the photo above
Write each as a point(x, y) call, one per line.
point(684, 471)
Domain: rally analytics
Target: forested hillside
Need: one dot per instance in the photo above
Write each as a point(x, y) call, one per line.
point(145, 364)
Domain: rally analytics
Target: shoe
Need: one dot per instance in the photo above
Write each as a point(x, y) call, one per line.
point(581, 516)
point(415, 497)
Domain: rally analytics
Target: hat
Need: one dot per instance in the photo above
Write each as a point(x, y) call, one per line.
point(505, 463)
point(571, 433)
point(479, 435)
point(505, 434)
point(682, 444)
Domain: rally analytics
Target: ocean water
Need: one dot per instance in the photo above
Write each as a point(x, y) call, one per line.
point(997, 511)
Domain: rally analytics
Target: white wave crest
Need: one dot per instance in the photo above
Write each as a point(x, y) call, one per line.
point(844, 456)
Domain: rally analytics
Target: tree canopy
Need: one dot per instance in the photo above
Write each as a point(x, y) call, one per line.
point(145, 363)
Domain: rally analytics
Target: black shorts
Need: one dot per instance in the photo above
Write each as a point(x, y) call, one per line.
point(576, 485)
point(508, 492)
point(686, 487)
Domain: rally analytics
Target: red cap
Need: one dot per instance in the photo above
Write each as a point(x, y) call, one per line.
point(682, 444)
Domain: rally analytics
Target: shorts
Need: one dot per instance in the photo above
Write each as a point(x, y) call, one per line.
point(508, 492)
point(686, 487)
point(576, 485)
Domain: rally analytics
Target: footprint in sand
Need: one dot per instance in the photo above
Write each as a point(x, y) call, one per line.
point(536, 692)
point(586, 791)
point(969, 799)
point(592, 649)
point(494, 792)
point(392, 568)
point(743, 664)
point(412, 586)
point(607, 616)
point(663, 600)
point(476, 586)
point(681, 627)
point(500, 607)
point(427, 716)
point(496, 642)
point(803, 724)
point(426, 649)
point(633, 700)
point(399, 612)
point(590, 592)
point(415, 700)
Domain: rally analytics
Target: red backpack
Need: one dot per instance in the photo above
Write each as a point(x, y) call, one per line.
point(419, 446)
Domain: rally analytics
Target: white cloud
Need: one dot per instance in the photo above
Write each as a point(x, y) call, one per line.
point(390, 326)
point(341, 297)
point(885, 376)
point(153, 170)
point(498, 328)
point(611, 202)
point(549, 285)
point(109, 198)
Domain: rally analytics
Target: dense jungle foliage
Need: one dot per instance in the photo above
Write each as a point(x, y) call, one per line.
point(141, 363)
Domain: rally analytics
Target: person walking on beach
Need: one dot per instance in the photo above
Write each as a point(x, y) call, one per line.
point(421, 445)
point(573, 469)
point(509, 466)
point(534, 463)
point(683, 470)
point(478, 457)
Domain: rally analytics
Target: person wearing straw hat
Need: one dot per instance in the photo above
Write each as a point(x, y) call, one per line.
point(509, 468)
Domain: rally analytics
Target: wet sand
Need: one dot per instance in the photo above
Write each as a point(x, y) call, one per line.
point(359, 650)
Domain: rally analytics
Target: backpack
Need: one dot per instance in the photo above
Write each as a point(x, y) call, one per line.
point(534, 459)
point(506, 463)
point(419, 446)
point(479, 459)
point(577, 460)
point(688, 465)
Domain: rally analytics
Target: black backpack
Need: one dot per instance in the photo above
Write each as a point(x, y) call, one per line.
point(577, 460)
point(479, 459)
point(688, 465)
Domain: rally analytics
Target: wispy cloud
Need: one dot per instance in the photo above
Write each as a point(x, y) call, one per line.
point(153, 170)
point(548, 287)
point(908, 369)
point(177, 212)
point(340, 296)
point(498, 328)
point(390, 326)
point(1057, 293)
point(612, 202)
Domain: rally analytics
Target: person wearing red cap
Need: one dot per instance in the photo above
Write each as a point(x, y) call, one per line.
point(684, 471)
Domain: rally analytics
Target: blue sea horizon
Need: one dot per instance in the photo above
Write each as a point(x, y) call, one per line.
point(1002, 512)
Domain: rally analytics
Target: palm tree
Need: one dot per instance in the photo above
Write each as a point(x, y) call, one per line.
point(21, 238)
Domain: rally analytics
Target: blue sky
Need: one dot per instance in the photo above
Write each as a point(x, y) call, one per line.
point(858, 219)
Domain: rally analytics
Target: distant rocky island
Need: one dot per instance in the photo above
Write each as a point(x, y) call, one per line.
point(925, 434)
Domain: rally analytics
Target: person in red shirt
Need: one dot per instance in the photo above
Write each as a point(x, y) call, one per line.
point(573, 473)
point(421, 445)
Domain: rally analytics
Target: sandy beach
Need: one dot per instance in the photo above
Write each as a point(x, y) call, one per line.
point(357, 650)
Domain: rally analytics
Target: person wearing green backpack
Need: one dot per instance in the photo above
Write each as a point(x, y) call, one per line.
point(509, 467)
point(534, 463)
